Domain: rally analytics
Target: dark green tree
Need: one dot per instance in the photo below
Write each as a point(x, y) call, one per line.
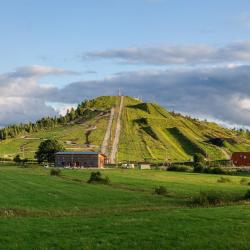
point(17, 159)
point(47, 149)
point(199, 163)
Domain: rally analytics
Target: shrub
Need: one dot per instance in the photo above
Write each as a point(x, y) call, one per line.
point(199, 167)
point(96, 177)
point(223, 180)
point(198, 158)
point(216, 170)
point(214, 198)
point(247, 195)
point(244, 181)
point(24, 161)
point(161, 190)
point(55, 172)
point(17, 159)
point(178, 168)
point(199, 163)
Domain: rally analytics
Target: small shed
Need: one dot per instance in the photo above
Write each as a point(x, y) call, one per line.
point(144, 166)
point(128, 165)
point(80, 159)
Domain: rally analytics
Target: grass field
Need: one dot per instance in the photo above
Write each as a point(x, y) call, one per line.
point(39, 211)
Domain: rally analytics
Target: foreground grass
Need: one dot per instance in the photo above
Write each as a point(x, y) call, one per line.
point(211, 228)
point(38, 211)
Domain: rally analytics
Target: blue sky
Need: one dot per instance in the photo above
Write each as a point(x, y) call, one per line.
point(56, 33)
point(94, 41)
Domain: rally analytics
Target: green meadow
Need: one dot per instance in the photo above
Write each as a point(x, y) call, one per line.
point(39, 211)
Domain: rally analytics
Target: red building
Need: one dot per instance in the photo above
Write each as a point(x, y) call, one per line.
point(241, 159)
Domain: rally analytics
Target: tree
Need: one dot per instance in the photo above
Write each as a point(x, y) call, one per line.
point(17, 159)
point(199, 163)
point(47, 149)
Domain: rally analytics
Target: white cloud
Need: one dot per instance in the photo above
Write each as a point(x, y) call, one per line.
point(209, 92)
point(19, 109)
point(218, 93)
point(38, 70)
point(177, 55)
point(61, 108)
point(244, 103)
point(22, 99)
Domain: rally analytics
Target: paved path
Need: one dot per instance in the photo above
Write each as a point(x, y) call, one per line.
point(105, 143)
point(117, 133)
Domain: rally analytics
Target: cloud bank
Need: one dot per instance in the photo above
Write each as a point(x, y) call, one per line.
point(216, 93)
point(221, 93)
point(177, 55)
point(22, 99)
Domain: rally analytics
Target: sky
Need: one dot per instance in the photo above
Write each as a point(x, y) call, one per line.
point(190, 56)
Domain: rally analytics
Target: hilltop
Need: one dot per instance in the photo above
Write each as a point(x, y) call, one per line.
point(148, 132)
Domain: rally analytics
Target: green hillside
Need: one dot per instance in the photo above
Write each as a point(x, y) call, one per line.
point(148, 133)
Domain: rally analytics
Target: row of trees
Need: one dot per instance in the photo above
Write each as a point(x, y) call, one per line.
point(82, 110)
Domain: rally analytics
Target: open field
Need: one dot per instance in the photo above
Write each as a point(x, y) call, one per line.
point(39, 211)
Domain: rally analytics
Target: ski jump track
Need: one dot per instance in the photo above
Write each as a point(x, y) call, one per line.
point(104, 147)
point(117, 133)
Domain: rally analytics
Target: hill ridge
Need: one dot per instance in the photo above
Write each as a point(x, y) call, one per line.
point(149, 132)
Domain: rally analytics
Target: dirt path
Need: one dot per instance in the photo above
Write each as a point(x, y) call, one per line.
point(225, 153)
point(105, 143)
point(117, 133)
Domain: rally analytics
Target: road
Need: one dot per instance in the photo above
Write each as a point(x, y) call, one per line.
point(104, 147)
point(117, 133)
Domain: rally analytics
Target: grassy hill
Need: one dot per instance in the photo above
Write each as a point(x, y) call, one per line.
point(48, 212)
point(148, 133)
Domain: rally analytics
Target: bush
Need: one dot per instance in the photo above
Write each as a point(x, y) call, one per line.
point(244, 181)
point(198, 158)
point(214, 198)
point(199, 167)
point(216, 170)
point(161, 190)
point(17, 159)
point(96, 177)
point(199, 163)
point(247, 195)
point(223, 180)
point(55, 172)
point(179, 168)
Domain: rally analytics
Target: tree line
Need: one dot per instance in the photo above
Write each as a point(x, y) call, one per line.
point(83, 110)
